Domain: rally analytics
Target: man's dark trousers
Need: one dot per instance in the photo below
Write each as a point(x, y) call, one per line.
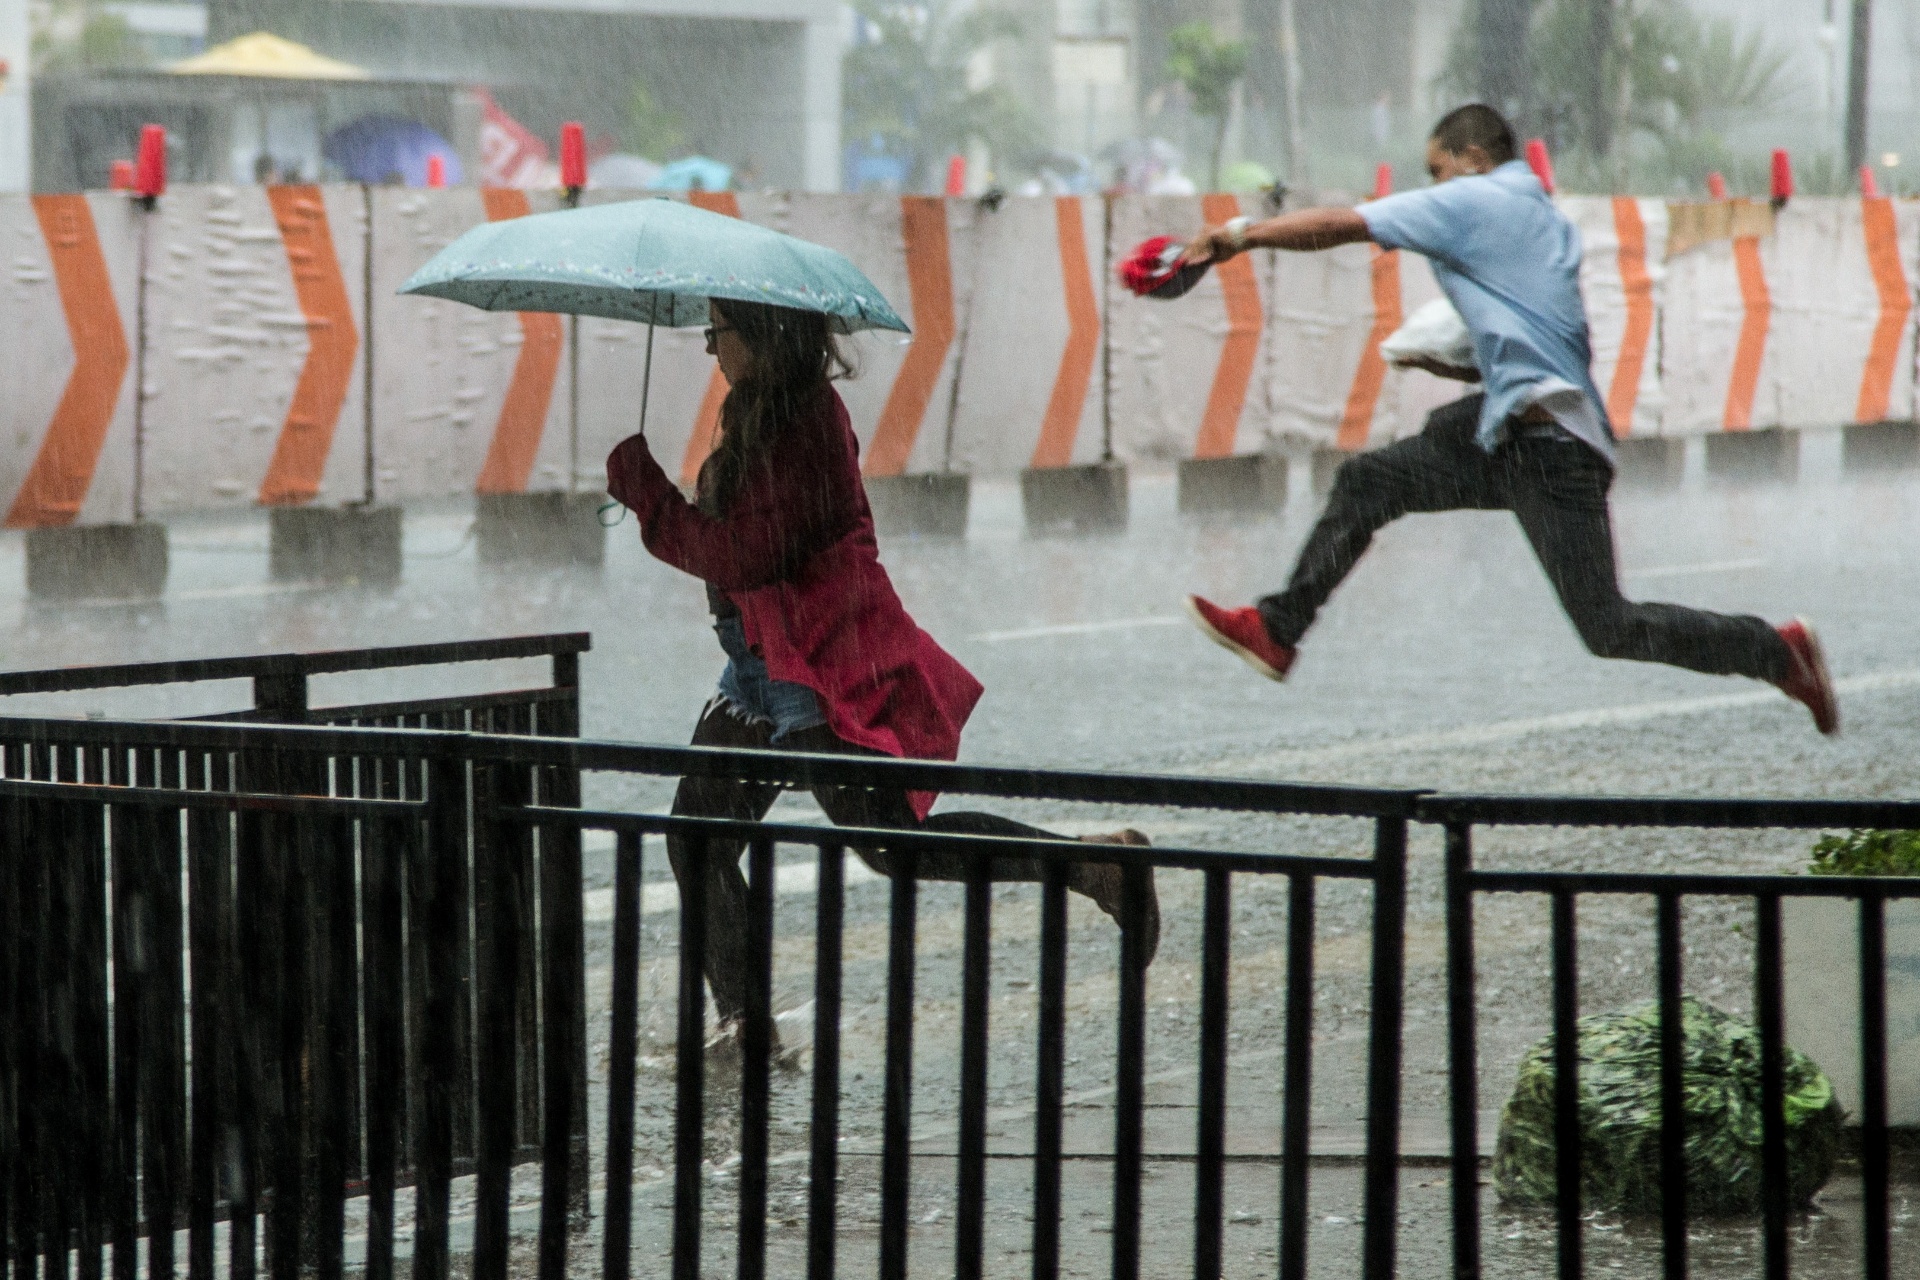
point(1557, 487)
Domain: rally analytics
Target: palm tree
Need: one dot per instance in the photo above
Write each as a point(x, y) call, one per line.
point(910, 83)
point(1208, 68)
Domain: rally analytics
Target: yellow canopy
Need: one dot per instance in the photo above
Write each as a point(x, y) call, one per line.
point(264, 55)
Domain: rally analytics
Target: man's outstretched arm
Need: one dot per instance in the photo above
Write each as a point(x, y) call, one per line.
point(1305, 231)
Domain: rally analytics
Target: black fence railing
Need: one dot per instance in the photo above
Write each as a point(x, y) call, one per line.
point(292, 1144)
point(277, 912)
point(383, 981)
point(281, 685)
point(1460, 815)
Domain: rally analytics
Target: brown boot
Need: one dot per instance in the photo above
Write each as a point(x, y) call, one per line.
point(1105, 883)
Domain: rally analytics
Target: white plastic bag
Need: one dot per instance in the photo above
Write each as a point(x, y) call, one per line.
point(1435, 332)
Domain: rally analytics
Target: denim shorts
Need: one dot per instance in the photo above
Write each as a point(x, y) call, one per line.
point(751, 692)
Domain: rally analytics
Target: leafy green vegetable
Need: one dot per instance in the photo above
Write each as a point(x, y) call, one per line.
point(1868, 853)
point(1620, 1116)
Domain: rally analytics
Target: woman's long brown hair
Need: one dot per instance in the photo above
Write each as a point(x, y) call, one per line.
point(793, 356)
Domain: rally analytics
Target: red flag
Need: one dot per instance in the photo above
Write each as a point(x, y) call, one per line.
point(1540, 162)
point(150, 170)
point(573, 155)
point(511, 155)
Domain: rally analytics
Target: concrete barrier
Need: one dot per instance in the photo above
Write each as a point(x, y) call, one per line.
point(280, 369)
point(931, 504)
point(548, 527)
point(122, 561)
point(1249, 483)
point(1090, 498)
point(1754, 457)
point(357, 543)
point(1880, 446)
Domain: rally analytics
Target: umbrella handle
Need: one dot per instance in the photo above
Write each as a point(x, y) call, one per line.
point(646, 380)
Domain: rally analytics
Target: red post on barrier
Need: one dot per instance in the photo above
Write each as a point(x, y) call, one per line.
point(1382, 181)
point(150, 172)
point(1782, 190)
point(1716, 186)
point(573, 156)
point(1540, 162)
point(120, 177)
point(436, 170)
point(956, 175)
point(1869, 185)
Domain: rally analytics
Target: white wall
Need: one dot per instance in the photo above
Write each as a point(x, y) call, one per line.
point(16, 124)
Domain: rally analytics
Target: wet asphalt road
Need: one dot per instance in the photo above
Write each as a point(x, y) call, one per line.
point(1445, 662)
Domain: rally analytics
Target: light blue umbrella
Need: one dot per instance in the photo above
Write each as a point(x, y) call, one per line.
point(655, 261)
point(652, 261)
point(693, 173)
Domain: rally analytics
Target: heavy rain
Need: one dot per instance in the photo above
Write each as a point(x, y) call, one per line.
point(1167, 395)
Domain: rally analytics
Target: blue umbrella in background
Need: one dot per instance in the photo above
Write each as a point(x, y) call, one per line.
point(374, 148)
point(694, 173)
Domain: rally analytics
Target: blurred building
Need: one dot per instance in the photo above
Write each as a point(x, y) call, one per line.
point(165, 29)
point(755, 83)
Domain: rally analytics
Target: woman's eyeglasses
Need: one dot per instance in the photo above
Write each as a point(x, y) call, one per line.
point(714, 331)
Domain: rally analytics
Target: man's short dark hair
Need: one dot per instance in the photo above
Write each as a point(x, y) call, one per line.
point(1475, 125)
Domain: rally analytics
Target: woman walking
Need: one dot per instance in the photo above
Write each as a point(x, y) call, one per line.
point(821, 655)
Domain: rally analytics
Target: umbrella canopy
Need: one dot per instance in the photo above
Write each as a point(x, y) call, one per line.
point(374, 148)
point(263, 55)
point(654, 261)
point(693, 173)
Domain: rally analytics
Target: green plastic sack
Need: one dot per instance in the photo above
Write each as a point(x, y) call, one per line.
point(1620, 1116)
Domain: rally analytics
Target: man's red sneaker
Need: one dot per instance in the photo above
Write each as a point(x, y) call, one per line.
point(1807, 680)
point(1242, 631)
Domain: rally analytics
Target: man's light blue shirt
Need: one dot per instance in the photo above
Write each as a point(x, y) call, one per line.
point(1510, 263)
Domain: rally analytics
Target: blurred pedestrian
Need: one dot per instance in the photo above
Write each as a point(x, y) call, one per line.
point(1536, 442)
point(821, 655)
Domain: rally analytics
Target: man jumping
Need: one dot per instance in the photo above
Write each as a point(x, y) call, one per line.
point(1535, 442)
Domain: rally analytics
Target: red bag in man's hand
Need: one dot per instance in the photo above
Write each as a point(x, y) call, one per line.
point(1153, 269)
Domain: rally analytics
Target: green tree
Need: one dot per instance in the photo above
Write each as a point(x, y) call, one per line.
point(911, 84)
point(1208, 68)
point(1645, 97)
point(78, 35)
point(652, 130)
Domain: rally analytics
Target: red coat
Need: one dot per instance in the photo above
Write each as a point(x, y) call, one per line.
point(796, 553)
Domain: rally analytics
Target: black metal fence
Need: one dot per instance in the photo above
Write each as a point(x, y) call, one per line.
point(270, 1096)
point(286, 925)
point(384, 981)
point(1460, 815)
point(281, 685)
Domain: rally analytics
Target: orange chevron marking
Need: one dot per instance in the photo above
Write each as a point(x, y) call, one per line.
point(1220, 424)
point(923, 227)
point(523, 412)
point(1062, 421)
point(1745, 378)
point(1883, 356)
point(1636, 283)
point(706, 424)
point(1356, 423)
point(63, 469)
point(300, 456)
